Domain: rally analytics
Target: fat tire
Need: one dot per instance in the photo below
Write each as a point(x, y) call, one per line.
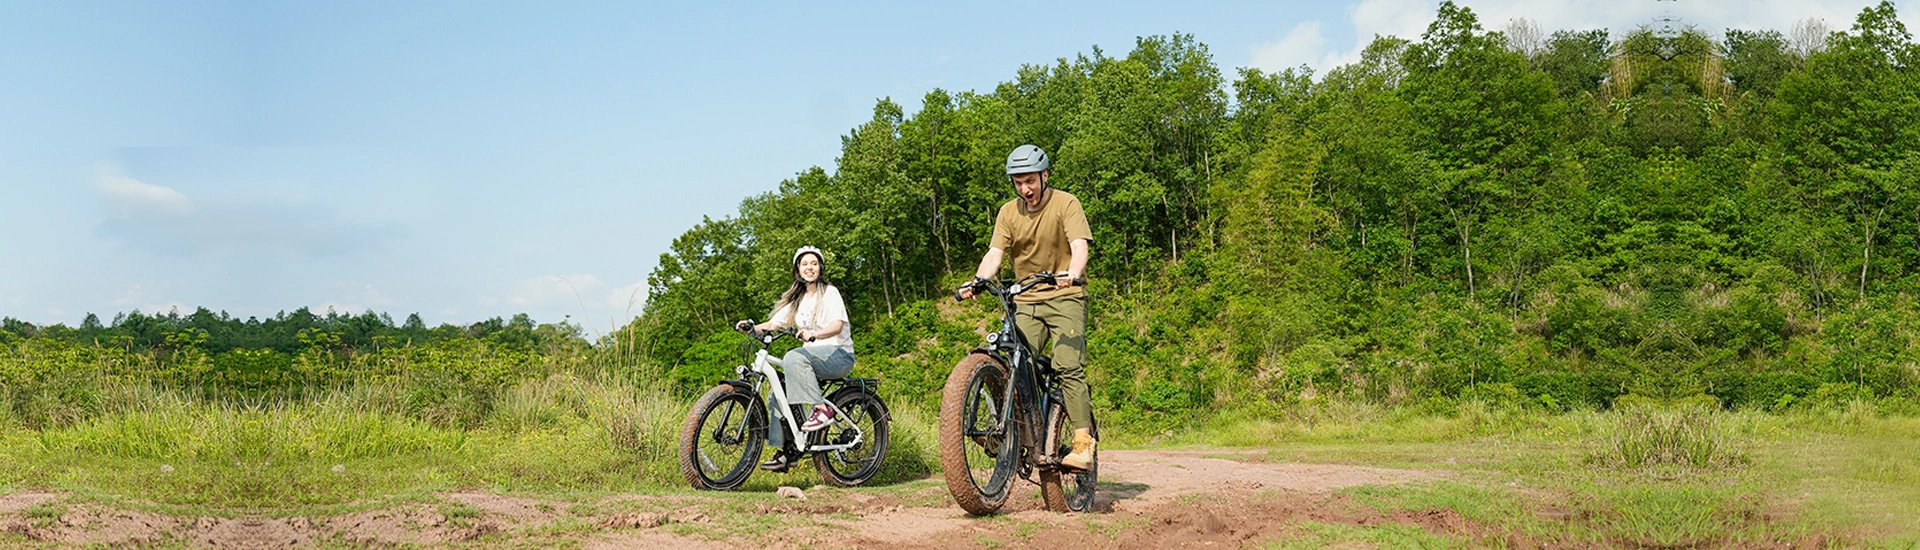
point(851, 402)
point(691, 431)
point(954, 444)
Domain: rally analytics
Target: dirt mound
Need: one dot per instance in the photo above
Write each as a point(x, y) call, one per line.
point(413, 525)
point(88, 525)
point(14, 504)
point(253, 533)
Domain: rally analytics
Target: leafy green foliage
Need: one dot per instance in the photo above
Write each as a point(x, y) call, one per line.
point(1659, 214)
point(1656, 213)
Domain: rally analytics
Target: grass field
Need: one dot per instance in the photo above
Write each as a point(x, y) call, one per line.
point(1675, 476)
point(1845, 476)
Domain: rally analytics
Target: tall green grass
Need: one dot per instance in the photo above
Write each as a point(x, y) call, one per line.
point(567, 432)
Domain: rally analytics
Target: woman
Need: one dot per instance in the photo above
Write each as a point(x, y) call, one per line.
point(813, 306)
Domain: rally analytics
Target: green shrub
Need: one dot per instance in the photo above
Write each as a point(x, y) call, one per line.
point(1667, 436)
point(445, 401)
point(57, 403)
point(1772, 391)
point(1563, 391)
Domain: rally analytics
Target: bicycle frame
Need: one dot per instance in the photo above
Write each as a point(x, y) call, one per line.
point(1025, 379)
point(762, 369)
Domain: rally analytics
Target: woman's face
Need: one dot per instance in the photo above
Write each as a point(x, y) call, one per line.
point(809, 268)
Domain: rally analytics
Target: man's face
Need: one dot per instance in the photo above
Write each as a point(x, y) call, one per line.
point(1029, 185)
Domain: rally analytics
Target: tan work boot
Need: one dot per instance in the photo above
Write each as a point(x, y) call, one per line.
point(1082, 456)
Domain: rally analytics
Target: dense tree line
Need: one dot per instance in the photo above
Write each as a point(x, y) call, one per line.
point(50, 375)
point(288, 332)
point(1559, 220)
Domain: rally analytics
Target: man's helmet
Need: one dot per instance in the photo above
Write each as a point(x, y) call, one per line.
point(805, 249)
point(1027, 159)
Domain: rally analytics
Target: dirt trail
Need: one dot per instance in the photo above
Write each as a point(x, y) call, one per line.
point(1148, 499)
point(1152, 499)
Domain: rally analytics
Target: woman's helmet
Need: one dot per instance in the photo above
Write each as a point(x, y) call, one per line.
point(806, 249)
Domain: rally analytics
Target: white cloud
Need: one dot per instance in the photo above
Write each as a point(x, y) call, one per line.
point(1304, 45)
point(1325, 45)
point(1402, 18)
point(628, 299)
point(132, 197)
point(146, 300)
point(162, 220)
point(1909, 15)
point(359, 299)
point(15, 298)
point(554, 290)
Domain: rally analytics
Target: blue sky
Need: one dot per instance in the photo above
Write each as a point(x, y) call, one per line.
point(466, 160)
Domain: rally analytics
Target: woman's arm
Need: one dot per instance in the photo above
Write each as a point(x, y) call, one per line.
point(773, 321)
point(831, 330)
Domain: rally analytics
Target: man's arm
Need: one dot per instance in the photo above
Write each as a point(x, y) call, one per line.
point(989, 264)
point(1076, 266)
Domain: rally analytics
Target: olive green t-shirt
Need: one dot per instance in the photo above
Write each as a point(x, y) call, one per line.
point(1038, 240)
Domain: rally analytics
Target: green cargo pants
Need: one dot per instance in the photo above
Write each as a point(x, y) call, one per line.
point(1062, 323)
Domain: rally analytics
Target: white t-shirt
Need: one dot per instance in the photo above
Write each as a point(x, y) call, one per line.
point(814, 312)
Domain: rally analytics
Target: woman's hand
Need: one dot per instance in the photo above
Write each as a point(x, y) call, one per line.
point(804, 335)
point(743, 325)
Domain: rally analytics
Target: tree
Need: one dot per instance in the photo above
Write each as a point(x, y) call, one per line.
point(1849, 124)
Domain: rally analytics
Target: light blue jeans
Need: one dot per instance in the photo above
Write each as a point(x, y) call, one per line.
point(805, 367)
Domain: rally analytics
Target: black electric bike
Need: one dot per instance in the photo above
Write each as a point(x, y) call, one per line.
point(721, 439)
point(1002, 417)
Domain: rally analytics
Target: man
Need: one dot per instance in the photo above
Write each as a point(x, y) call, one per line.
point(1044, 229)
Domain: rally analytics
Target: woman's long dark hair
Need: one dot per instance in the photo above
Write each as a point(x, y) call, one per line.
point(800, 287)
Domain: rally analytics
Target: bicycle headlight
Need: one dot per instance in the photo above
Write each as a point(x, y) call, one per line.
point(993, 337)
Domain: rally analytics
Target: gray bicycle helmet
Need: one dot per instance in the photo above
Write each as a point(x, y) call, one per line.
point(1027, 159)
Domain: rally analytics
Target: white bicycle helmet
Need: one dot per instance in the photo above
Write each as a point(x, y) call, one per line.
point(805, 249)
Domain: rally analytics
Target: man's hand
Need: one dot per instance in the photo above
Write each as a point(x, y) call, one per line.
point(1064, 280)
point(965, 291)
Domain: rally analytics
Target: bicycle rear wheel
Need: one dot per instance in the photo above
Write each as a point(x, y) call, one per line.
point(853, 465)
point(1067, 490)
point(979, 447)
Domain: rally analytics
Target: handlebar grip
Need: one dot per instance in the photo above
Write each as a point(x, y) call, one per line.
point(973, 285)
point(1080, 281)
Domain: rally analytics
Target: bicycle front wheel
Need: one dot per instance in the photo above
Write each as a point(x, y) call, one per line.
point(979, 447)
point(721, 438)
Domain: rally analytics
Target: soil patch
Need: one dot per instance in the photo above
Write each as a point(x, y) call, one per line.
point(89, 525)
point(1148, 499)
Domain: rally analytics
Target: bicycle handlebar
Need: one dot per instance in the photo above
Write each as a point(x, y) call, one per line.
point(1020, 286)
point(765, 337)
